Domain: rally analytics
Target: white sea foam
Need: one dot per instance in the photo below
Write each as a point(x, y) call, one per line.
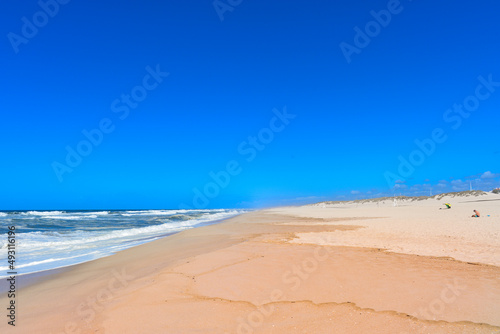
point(42, 265)
point(64, 215)
point(68, 217)
point(153, 212)
point(35, 263)
point(64, 241)
point(43, 213)
point(93, 213)
point(47, 239)
point(169, 212)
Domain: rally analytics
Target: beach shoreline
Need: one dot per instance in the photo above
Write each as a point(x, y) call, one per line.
point(283, 270)
point(25, 280)
point(51, 240)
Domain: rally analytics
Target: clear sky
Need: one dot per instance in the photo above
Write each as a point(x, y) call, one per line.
point(239, 103)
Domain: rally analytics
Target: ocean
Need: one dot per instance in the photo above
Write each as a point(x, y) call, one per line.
point(54, 239)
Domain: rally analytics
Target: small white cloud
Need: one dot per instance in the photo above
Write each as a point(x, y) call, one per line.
point(442, 184)
point(399, 181)
point(489, 175)
point(355, 192)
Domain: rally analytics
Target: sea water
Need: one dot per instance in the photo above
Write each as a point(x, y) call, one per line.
point(54, 239)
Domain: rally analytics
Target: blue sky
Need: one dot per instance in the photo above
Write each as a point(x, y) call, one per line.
point(245, 103)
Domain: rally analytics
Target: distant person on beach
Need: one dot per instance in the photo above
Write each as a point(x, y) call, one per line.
point(476, 214)
point(448, 206)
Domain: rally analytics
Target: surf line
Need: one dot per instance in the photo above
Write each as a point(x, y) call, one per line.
point(11, 261)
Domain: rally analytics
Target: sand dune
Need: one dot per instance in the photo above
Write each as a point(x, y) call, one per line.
point(420, 227)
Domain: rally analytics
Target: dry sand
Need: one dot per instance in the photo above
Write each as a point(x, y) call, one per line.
point(416, 227)
point(340, 268)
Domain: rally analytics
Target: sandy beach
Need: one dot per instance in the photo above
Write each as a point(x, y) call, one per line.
point(250, 167)
point(341, 267)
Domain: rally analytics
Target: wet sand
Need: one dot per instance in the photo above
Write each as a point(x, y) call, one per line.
point(285, 270)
